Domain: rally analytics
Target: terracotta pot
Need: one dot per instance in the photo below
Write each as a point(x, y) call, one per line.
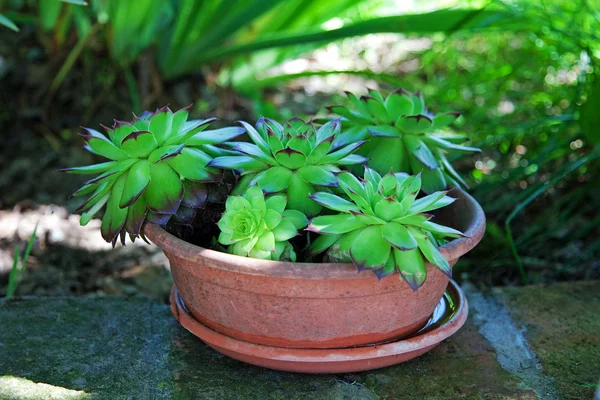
point(310, 305)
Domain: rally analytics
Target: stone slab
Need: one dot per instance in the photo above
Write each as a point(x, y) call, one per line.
point(132, 348)
point(561, 323)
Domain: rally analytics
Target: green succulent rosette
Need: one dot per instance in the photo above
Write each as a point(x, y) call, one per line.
point(253, 226)
point(293, 160)
point(382, 226)
point(403, 136)
point(158, 166)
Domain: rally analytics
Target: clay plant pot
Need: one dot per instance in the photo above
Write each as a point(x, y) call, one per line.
point(310, 305)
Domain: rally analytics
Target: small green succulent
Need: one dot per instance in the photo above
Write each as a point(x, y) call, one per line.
point(158, 165)
point(382, 226)
point(291, 160)
point(403, 136)
point(253, 226)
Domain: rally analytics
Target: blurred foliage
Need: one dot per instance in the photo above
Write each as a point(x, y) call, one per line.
point(525, 73)
point(532, 102)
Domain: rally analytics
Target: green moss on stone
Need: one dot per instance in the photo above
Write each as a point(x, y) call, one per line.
point(562, 324)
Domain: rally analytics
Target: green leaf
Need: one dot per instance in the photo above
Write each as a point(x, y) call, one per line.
point(334, 224)
point(388, 209)
point(194, 131)
point(274, 141)
point(179, 119)
point(377, 110)
point(412, 267)
point(301, 144)
point(276, 203)
point(443, 120)
point(420, 150)
point(290, 158)
point(320, 151)
point(299, 192)
point(450, 171)
point(418, 103)
point(297, 218)
point(352, 159)
point(120, 130)
point(398, 104)
point(446, 145)
point(370, 250)
point(165, 191)
point(433, 180)
point(252, 150)
point(8, 23)
point(272, 218)
point(215, 136)
point(274, 179)
point(398, 236)
point(440, 230)
point(90, 169)
point(266, 242)
point(139, 144)
point(384, 131)
point(372, 176)
point(387, 154)
point(334, 202)
point(431, 202)
point(160, 125)
point(256, 137)
point(105, 148)
point(138, 178)
point(164, 153)
point(136, 214)
point(114, 216)
point(317, 175)
point(414, 124)
point(322, 243)
point(351, 135)
point(255, 196)
point(329, 129)
point(239, 163)
point(430, 252)
point(285, 230)
point(341, 153)
point(191, 164)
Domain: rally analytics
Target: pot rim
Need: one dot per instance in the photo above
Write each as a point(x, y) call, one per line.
point(171, 244)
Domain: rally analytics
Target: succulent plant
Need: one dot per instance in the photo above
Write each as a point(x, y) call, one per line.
point(291, 160)
point(158, 165)
point(403, 136)
point(382, 226)
point(253, 226)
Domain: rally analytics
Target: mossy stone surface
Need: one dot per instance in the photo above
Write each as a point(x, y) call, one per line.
point(130, 348)
point(562, 323)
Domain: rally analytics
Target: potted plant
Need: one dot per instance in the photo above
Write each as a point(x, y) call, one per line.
point(306, 242)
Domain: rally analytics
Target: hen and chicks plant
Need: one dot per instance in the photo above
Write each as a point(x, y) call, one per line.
point(161, 165)
point(381, 225)
point(158, 165)
point(404, 136)
point(292, 159)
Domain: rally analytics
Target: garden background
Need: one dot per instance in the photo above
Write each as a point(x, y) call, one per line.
point(524, 73)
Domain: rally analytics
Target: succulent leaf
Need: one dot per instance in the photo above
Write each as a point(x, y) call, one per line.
point(138, 179)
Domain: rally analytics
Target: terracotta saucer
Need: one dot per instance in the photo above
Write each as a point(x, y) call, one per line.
point(450, 314)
